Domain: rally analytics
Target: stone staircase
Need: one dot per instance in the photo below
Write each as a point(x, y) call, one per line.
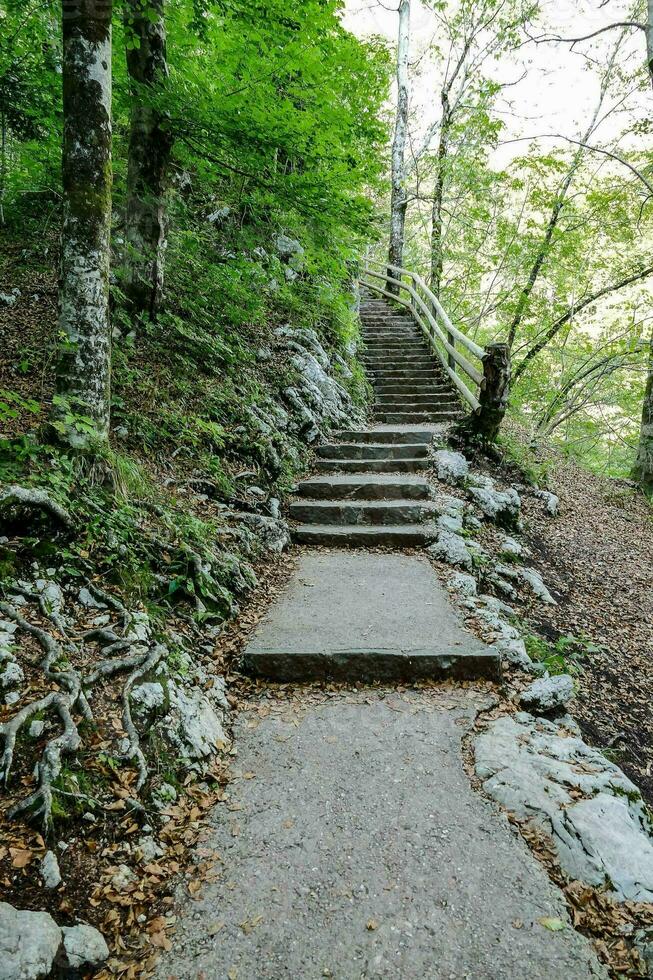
point(368, 489)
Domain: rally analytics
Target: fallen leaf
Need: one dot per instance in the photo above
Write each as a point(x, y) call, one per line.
point(20, 858)
point(372, 924)
point(555, 925)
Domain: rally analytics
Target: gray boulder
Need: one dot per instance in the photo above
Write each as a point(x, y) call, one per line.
point(533, 578)
point(29, 943)
point(501, 506)
point(450, 467)
point(452, 549)
point(84, 946)
point(463, 583)
point(594, 814)
point(194, 725)
point(548, 695)
point(50, 870)
point(290, 251)
point(550, 500)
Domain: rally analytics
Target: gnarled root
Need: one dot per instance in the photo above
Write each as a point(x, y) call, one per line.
point(39, 803)
point(135, 751)
point(31, 498)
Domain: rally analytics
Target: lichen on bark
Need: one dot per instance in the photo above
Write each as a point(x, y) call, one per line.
point(81, 412)
point(150, 144)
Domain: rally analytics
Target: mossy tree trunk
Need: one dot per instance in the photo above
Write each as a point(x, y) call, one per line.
point(81, 413)
point(150, 145)
point(643, 469)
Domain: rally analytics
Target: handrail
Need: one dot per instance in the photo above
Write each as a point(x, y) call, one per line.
point(437, 337)
point(458, 334)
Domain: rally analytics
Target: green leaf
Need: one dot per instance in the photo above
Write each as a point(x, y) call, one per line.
point(554, 925)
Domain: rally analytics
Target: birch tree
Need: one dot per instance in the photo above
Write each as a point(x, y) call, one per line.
point(478, 31)
point(150, 144)
point(81, 410)
point(399, 195)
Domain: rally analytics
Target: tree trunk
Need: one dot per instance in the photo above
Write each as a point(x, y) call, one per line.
point(437, 253)
point(150, 146)
point(649, 39)
point(485, 421)
point(643, 469)
point(437, 260)
point(399, 196)
point(84, 370)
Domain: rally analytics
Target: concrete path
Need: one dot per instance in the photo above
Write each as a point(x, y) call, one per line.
point(354, 847)
point(363, 616)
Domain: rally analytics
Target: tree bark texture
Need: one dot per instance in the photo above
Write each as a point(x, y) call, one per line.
point(399, 195)
point(643, 469)
point(84, 369)
point(484, 423)
point(150, 146)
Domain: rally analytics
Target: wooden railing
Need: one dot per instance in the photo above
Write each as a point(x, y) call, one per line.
point(438, 329)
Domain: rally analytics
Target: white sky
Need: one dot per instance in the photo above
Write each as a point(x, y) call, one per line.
point(559, 91)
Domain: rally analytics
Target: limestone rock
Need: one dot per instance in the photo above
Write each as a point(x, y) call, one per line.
point(84, 946)
point(148, 698)
point(534, 579)
point(548, 694)
point(50, 870)
point(193, 724)
point(88, 600)
point(550, 500)
point(123, 878)
point(273, 534)
point(536, 770)
point(52, 595)
point(463, 583)
point(501, 506)
point(451, 548)
point(450, 467)
point(29, 942)
point(148, 849)
point(290, 251)
point(11, 675)
point(509, 546)
point(449, 523)
point(514, 651)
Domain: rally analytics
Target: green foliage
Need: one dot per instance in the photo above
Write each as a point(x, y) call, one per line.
point(534, 470)
point(565, 656)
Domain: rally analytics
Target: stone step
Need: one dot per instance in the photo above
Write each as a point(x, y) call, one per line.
point(407, 388)
point(385, 435)
point(398, 332)
point(397, 418)
point(416, 377)
point(371, 450)
point(363, 513)
point(366, 487)
point(427, 405)
point(412, 465)
point(409, 361)
point(413, 397)
point(342, 535)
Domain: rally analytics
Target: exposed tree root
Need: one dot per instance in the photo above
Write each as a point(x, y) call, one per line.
point(30, 498)
point(72, 696)
point(9, 730)
point(39, 803)
point(135, 751)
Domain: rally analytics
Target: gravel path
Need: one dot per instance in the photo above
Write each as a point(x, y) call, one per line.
point(354, 846)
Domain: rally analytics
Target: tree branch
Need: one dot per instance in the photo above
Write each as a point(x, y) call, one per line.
point(573, 311)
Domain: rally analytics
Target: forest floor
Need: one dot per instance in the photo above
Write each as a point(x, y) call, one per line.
point(595, 556)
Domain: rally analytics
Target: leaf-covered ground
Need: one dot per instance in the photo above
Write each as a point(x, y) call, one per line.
point(597, 557)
